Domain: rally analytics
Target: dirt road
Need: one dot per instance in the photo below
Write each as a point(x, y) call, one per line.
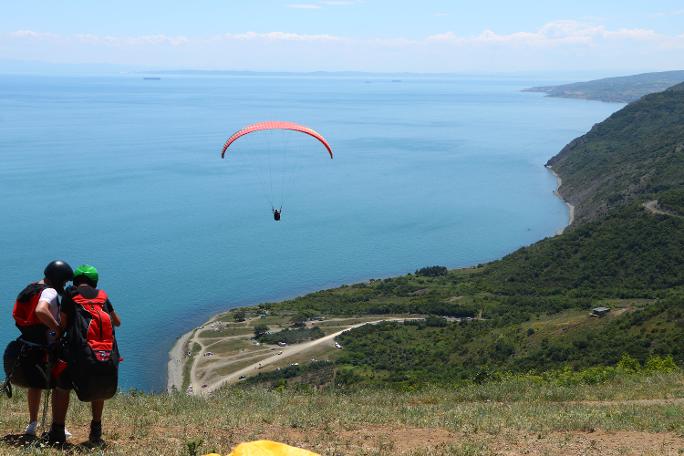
point(197, 386)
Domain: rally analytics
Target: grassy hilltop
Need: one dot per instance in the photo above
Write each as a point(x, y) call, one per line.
point(632, 414)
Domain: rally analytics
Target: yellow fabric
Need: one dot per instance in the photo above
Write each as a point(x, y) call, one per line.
point(268, 448)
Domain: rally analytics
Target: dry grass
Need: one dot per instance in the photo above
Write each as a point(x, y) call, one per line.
point(631, 416)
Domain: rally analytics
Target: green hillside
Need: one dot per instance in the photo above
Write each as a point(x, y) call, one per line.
point(530, 310)
point(625, 89)
point(628, 253)
point(638, 152)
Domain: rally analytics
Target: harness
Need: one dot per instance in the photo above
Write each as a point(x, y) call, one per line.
point(26, 348)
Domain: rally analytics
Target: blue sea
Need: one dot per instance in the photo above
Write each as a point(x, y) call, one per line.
point(125, 174)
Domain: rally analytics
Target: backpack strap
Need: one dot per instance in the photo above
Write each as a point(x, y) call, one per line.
point(30, 291)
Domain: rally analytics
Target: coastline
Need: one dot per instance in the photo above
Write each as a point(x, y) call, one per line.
point(177, 357)
point(571, 208)
point(176, 363)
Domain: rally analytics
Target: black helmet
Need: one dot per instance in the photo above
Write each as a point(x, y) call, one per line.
point(58, 273)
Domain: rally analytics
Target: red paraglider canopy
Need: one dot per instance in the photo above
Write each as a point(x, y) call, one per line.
point(275, 125)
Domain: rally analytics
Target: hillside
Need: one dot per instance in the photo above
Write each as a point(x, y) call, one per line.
point(625, 89)
point(638, 152)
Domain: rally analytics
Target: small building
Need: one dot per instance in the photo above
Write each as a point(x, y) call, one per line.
point(599, 311)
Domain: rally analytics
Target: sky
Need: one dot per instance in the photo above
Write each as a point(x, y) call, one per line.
point(348, 35)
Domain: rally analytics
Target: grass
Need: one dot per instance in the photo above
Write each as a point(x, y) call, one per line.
point(476, 419)
point(229, 345)
point(228, 331)
point(237, 365)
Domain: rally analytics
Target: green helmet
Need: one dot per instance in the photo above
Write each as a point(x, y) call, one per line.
point(89, 272)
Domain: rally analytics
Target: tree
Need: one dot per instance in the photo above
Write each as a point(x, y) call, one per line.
point(239, 316)
point(432, 271)
point(260, 330)
point(299, 320)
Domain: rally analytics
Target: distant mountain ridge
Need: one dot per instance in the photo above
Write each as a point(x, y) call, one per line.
point(624, 89)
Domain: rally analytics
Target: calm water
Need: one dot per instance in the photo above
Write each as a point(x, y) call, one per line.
point(124, 173)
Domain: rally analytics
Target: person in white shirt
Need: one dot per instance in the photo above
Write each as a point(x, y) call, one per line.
point(37, 314)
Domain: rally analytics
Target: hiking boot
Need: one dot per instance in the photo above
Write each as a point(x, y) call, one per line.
point(95, 437)
point(31, 429)
point(56, 435)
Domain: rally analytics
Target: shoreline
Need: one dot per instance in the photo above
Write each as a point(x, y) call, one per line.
point(571, 208)
point(176, 361)
point(176, 364)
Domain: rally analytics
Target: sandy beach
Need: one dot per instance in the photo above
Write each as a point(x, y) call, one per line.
point(571, 208)
point(176, 363)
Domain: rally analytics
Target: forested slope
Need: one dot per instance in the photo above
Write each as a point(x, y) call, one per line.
point(638, 152)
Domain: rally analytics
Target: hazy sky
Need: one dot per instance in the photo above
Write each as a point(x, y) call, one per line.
point(367, 35)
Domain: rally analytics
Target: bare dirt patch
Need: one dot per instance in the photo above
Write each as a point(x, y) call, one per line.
point(588, 443)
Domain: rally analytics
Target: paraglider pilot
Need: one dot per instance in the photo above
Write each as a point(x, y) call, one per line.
point(276, 214)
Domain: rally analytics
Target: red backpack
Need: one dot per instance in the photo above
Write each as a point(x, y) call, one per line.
point(93, 354)
point(24, 312)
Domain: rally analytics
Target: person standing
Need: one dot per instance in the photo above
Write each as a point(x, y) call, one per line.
point(92, 356)
point(36, 314)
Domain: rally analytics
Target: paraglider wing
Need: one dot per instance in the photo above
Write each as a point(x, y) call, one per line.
point(269, 448)
point(275, 125)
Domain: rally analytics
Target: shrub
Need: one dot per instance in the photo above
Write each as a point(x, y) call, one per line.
point(432, 271)
point(628, 364)
point(292, 336)
point(661, 364)
point(260, 330)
